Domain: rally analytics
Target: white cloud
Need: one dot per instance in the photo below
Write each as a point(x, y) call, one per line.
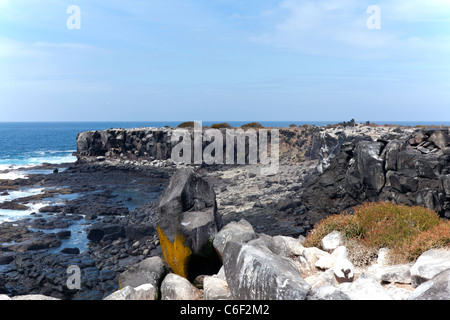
point(12, 48)
point(417, 10)
point(330, 28)
point(78, 46)
point(338, 28)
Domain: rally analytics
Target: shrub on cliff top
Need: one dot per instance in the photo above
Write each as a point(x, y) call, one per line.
point(187, 124)
point(221, 126)
point(407, 231)
point(254, 125)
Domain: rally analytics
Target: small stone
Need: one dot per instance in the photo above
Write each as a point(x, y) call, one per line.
point(215, 288)
point(332, 240)
point(343, 270)
point(70, 251)
point(175, 287)
point(396, 273)
point(327, 293)
point(383, 258)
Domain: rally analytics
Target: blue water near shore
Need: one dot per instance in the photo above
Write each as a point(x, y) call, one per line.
point(32, 143)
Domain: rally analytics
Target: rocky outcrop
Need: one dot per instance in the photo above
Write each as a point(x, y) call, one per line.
point(143, 292)
point(356, 162)
point(436, 288)
point(121, 143)
point(413, 170)
point(188, 220)
point(175, 287)
point(153, 145)
point(151, 270)
point(266, 268)
point(429, 265)
point(255, 274)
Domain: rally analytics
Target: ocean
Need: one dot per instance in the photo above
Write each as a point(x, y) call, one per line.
point(24, 144)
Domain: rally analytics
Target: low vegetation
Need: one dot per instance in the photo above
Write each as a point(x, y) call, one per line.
point(223, 125)
point(406, 231)
point(254, 125)
point(187, 124)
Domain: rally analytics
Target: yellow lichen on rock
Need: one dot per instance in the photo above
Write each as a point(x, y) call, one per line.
point(176, 254)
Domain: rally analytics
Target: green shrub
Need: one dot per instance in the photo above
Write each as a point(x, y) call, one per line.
point(407, 231)
point(254, 125)
point(436, 237)
point(187, 124)
point(223, 125)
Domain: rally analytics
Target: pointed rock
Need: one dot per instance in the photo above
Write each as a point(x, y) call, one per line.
point(187, 223)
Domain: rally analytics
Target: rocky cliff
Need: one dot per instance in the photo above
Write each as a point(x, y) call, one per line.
point(143, 143)
point(354, 163)
point(296, 144)
point(413, 169)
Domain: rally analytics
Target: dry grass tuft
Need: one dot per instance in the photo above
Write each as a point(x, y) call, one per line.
point(407, 231)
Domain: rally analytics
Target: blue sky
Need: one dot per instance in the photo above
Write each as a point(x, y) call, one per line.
point(179, 60)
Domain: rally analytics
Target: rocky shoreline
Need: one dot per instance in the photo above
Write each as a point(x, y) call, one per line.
point(110, 202)
point(34, 258)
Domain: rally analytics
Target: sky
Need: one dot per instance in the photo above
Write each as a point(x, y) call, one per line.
point(230, 60)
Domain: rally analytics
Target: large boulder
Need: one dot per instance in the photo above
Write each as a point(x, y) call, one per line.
point(151, 270)
point(239, 231)
point(366, 287)
point(440, 139)
point(175, 287)
point(285, 246)
point(332, 240)
point(327, 292)
point(437, 288)
point(399, 273)
point(144, 292)
point(255, 274)
point(187, 223)
point(105, 232)
point(215, 288)
point(429, 264)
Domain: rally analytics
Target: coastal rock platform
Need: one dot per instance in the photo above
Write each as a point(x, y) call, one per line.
point(100, 213)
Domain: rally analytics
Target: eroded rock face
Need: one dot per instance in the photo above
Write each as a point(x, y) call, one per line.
point(131, 143)
point(411, 170)
point(187, 222)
